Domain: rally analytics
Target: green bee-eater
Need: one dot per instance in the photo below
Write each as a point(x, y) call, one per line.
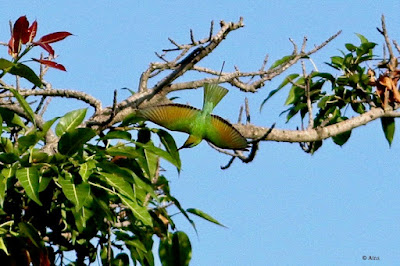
point(199, 124)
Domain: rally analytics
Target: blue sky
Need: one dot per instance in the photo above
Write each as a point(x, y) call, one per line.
point(286, 207)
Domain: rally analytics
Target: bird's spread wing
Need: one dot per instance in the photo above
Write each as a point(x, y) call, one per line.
point(222, 134)
point(177, 117)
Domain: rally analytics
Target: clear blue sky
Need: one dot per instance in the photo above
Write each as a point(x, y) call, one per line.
point(286, 207)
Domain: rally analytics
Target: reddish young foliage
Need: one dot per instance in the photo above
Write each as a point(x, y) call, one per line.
point(19, 33)
point(47, 47)
point(31, 32)
point(50, 64)
point(54, 37)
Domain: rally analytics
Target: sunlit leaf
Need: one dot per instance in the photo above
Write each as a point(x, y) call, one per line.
point(282, 61)
point(86, 169)
point(204, 216)
point(5, 64)
point(77, 194)
point(119, 184)
point(140, 212)
point(3, 246)
point(362, 38)
point(70, 121)
point(388, 126)
point(163, 154)
point(29, 179)
point(3, 187)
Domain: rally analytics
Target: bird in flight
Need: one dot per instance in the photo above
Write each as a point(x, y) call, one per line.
point(199, 124)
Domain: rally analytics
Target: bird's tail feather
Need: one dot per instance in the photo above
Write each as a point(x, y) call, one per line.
point(213, 93)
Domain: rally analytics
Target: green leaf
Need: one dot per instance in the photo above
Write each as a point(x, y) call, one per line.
point(70, 121)
point(30, 232)
point(3, 187)
point(119, 183)
point(123, 150)
point(29, 179)
point(344, 137)
point(72, 141)
point(170, 145)
point(11, 118)
point(141, 213)
point(27, 73)
point(121, 259)
point(3, 246)
point(163, 154)
point(362, 38)
point(289, 78)
point(5, 64)
point(204, 216)
point(44, 182)
point(77, 194)
point(24, 104)
point(86, 169)
point(118, 135)
point(282, 61)
point(388, 126)
point(181, 249)
point(350, 47)
point(81, 217)
point(358, 107)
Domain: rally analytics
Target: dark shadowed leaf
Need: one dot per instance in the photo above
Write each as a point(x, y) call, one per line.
point(30, 232)
point(181, 249)
point(289, 78)
point(170, 145)
point(26, 73)
point(118, 135)
point(121, 259)
point(72, 141)
point(388, 126)
point(342, 138)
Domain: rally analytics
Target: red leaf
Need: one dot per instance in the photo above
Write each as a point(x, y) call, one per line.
point(47, 47)
point(32, 31)
point(50, 64)
point(19, 33)
point(54, 37)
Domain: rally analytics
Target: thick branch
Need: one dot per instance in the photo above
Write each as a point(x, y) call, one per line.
point(315, 134)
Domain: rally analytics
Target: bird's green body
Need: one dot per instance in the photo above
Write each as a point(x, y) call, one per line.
point(200, 124)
